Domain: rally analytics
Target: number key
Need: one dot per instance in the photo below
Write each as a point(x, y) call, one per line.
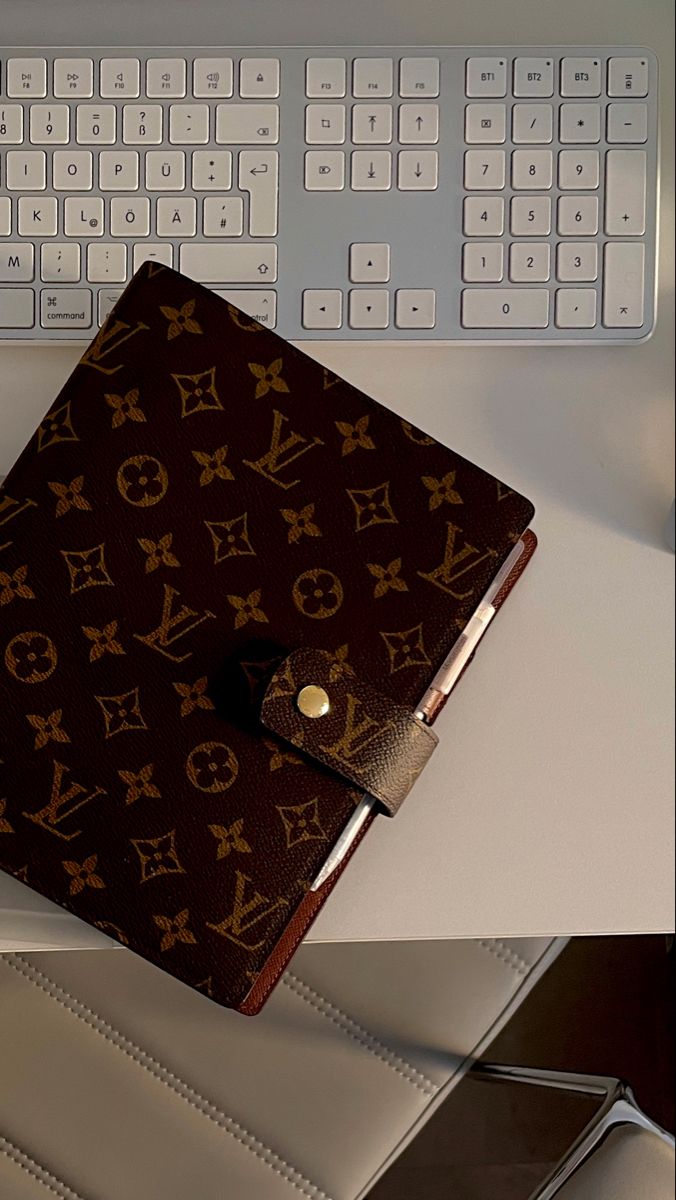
point(578, 169)
point(531, 216)
point(485, 170)
point(532, 169)
point(577, 261)
point(482, 262)
point(484, 216)
point(578, 215)
point(529, 262)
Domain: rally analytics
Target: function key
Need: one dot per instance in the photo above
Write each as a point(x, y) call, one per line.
point(211, 77)
point(165, 77)
point(120, 77)
point(259, 77)
point(26, 77)
point(581, 77)
point(325, 77)
point(73, 77)
point(372, 77)
point(486, 77)
point(628, 77)
point(534, 77)
point(418, 77)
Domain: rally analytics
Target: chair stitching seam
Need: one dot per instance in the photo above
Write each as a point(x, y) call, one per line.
point(36, 1170)
point(505, 955)
point(167, 1077)
point(358, 1034)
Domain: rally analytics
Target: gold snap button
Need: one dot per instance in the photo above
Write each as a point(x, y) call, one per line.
point(313, 701)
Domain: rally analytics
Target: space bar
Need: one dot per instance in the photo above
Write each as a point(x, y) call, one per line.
point(245, 262)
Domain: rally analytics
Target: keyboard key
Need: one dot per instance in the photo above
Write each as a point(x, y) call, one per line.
point(415, 308)
point(369, 309)
point(483, 216)
point(60, 262)
point(95, 124)
point(108, 298)
point(49, 123)
point(577, 262)
point(482, 262)
point(581, 77)
point(165, 170)
point(418, 123)
point(372, 77)
point(259, 176)
point(83, 216)
point(418, 77)
point(324, 170)
point(160, 252)
point(531, 216)
point(176, 216)
point(325, 124)
point(578, 215)
point(500, 308)
point(72, 170)
point(625, 192)
point(212, 77)
point(259, 77)
point(106, 262)
point(532, 169)
point(485, 170)
point(16, 307)
point(25, 170)
point(5, 216)
point(16, 262)
point(532, 123)
point(371, 123)
point(485, 123)
point(627, 122)
point(623, 285)
point(212, 170)
point(486, 77)
point(575, 308)
point(119, 77)
point(73, 77)
point(130, 216)
point(37, 216)
point(534, 77)
point(11, 124)
point(189, 124)
point(67, 308)
point(627, 77)
point(417, 170)
point(165, 77)
point(242, 124)
point(239, 262)
point(369, 262)
point(325, 77)
point(371, 171)
point(580, 123)
point(261, 305)
point(578, 169)
point(26, 77)
point(118, 171)
point(529, 262)
point(142, 124)
point(322, 309)
point(223, 217)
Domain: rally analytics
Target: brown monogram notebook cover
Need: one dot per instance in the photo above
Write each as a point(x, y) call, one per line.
point(209, 541)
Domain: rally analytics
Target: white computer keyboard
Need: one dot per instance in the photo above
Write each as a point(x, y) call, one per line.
point(442, 194)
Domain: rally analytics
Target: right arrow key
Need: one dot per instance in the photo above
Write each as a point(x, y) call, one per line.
point(415, 308)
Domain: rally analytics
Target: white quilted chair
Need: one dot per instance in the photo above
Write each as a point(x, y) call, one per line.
point(118, 1083)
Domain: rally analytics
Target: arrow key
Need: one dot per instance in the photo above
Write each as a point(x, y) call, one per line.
point(371, 123)
point(322, 309)
point(369, 262)
point(369, 309)
point(418, 170)
point(415, 308)
point(371, 170)
point(418, 123)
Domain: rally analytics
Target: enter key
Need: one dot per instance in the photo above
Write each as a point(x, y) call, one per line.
point(259, 176)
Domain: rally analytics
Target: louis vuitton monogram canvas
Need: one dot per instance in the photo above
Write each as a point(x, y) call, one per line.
point(202, 493)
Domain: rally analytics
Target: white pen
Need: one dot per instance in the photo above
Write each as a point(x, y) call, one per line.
point(443, 683)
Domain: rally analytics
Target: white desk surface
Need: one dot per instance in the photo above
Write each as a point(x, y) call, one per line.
point(548, 808)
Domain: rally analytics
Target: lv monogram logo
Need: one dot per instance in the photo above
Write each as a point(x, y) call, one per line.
point(282, 453)
point(10, 508)
point(173, 626)
point(356, 733)
point(62, 804)
point(106, 342)
point(446, 574)
point(249, 911)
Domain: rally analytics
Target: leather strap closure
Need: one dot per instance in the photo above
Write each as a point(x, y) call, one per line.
point(324, 710)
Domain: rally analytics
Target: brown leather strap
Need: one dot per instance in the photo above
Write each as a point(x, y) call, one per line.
point(326, 711)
